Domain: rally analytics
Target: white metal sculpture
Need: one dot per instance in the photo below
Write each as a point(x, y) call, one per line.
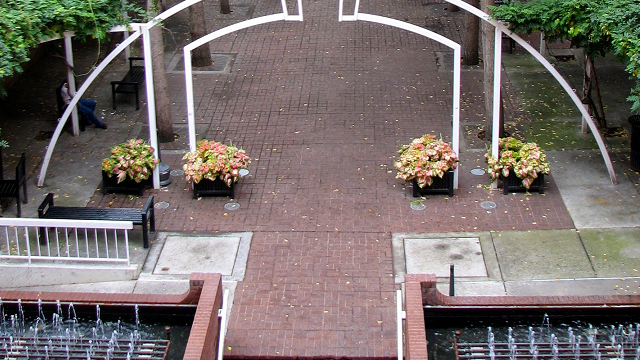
point(499, 29)
point(188, 74)
point(143, 29)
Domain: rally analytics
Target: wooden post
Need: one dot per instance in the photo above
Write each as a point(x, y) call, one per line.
point(224, 7)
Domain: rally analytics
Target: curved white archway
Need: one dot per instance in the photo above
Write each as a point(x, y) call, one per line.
point(499, 29)
point(143, 29)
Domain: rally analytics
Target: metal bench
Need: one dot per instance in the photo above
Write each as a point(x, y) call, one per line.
point(47, 210)
point(131, 82)
point(11, 188)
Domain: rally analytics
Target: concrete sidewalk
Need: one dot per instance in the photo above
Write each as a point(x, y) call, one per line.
point(322, 107)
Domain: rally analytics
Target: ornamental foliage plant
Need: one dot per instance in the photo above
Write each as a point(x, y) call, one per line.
point(211, 160)
point(132, 159)
point(526, 160)
point(425, 158)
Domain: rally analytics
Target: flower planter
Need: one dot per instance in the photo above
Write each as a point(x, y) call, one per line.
point(127, 186)
point(512, 183)
point(438, 185)
point(215, 187)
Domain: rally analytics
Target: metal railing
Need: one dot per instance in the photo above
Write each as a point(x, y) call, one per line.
point(23, 239)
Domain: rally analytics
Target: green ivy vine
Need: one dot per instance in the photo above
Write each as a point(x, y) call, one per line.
point(598, 26)
point(24, 23)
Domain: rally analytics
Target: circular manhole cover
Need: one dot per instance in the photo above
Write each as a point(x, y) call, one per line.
point(478, 172)
point(177, 173)
point(488, 205)
point(243, 172)
point(418, 206)
point(161, 205)
point(232, 206)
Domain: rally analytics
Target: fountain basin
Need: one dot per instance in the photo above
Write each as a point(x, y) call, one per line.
point(200, 303)
point(424, 302)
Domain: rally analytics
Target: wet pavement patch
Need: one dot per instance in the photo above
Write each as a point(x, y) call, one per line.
point(526, 255)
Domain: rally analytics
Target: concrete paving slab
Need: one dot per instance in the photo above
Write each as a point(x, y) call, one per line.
point(474, 288)
point(613, 252)
point(161, 286)
point(97, 287)
point(187, 254)
point(587, 191)
point(578, 287)
point(538, 255)
point(434, 256)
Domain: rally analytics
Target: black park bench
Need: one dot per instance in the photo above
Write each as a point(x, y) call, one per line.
point(131, 82)
point(144, 216)
point(11, 188)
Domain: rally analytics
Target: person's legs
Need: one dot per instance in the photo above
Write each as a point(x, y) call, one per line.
point(91, 104)
point(86, 108)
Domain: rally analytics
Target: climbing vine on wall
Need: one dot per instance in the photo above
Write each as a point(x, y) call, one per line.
point(24, 23)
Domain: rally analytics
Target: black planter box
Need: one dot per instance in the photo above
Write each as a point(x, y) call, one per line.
point(438, 185)
point(512, 183)
point(127, 186)
point(215, 187)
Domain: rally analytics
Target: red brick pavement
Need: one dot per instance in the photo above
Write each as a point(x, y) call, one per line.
point(322, 107)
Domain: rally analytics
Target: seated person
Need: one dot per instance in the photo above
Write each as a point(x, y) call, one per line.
point(85, 107)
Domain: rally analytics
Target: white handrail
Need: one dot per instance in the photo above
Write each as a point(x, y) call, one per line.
point(223, 323)
point(400, 316)
point(95, 241)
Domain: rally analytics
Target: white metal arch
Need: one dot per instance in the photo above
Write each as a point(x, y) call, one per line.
point(270, 18)
point(139, 29)
point(142, 29)
point(499, 29)
point(455, 133)
point(188, 72)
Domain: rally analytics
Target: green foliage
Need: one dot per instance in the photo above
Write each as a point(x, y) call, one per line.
point(24, 23)
point(598, 26)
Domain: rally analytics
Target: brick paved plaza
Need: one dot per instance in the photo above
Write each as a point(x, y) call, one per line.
point(322, 107)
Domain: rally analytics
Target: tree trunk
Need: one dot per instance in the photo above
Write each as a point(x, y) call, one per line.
point(161, 87)
point(201, 56)
point(470, 48)
point(488, 45)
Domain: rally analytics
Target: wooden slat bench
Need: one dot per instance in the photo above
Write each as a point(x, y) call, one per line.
point(131, 82)
point(144, 216)
point(11, 188)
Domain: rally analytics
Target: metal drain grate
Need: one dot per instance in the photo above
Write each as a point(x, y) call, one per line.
point(232, 206)
point(43, 347)
point(488, 205)
point(161, 205)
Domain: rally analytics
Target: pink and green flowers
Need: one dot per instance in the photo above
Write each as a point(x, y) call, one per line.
point(211, 160)
point(132, 159)
point(423, 159)
point(526, 160)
